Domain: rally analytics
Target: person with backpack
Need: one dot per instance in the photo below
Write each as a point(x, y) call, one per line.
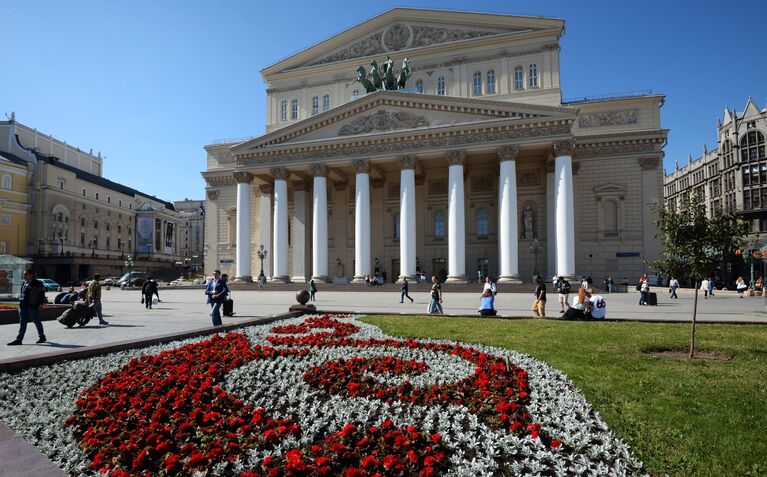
point(93, 298)
point(31, 297)
point(562, 288)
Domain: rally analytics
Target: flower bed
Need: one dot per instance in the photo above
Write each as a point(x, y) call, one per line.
point(316, 396)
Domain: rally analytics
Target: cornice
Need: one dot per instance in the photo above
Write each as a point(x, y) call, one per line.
point(219, 180)
point(410, 144)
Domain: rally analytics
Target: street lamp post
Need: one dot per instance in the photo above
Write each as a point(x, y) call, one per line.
point(129, 265)
point(261, 253)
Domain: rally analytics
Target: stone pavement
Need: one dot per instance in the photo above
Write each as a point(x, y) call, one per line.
point(184, 311)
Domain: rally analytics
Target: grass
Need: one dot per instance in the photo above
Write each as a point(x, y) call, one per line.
point(680, 417)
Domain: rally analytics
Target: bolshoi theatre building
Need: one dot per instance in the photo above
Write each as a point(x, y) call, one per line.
point(436, 142)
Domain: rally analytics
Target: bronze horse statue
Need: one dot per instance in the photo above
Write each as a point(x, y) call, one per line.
point(404, 73)
point(375, 75)
point(387, 80)
point(362, 78)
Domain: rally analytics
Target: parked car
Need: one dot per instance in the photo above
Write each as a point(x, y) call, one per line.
point(199, 281)
point(176, 282)
point(109, 281)
point(49, 284)
point(132, 279)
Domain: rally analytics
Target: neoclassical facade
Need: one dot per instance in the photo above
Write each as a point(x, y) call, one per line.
point(477, 165)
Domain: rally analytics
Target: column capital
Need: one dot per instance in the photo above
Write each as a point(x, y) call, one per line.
point(407, 162)
point(648, 162)
point(300, 185)
point(564, 148)
point(319, 170)
point(212, 194)
point(280, 173)
point(243, 177)
point(361, 166)
point(508, 153)
point(266, 188)
point(455, 158)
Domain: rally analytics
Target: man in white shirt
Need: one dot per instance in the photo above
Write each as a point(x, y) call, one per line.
point(489, 285)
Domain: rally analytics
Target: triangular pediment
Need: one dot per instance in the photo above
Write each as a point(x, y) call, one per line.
point(402, 30)
point(385, 113)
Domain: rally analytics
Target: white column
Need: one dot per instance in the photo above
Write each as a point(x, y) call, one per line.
point(456, 225)
point(243, 258)
point(551, 226)
point(508, 234)
point(320, 223)
point(565, 227)
point(265, 229)
point(407, 218)
point(299, 232)
point(361, 221)
point(280, 255)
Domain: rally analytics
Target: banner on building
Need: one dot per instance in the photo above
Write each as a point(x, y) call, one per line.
point(145, 231)
point(169, 242)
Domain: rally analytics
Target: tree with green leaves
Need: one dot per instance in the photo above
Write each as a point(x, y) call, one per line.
point(693, 245)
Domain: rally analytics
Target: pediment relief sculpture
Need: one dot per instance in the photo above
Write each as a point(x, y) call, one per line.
point(382, 121)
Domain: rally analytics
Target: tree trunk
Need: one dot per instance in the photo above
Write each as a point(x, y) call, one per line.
point(694, 314)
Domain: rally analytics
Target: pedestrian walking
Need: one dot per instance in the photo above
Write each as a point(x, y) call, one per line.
point(404, 291)
point(539, 305)
point(209, 285)
point(435, 304)
point(673, 284)
point(312, 290)
point(711, 286)
point(704, 287)
point(261, 282)
point(741, 286)
point(148, 290)
point(562, 288)
point(609, 284)
point(32, 295)
point(94, 298)
point(220, 292)
point(644, 292)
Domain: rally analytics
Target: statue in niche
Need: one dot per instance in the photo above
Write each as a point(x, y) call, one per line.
point(527, 221)
point(339, 268)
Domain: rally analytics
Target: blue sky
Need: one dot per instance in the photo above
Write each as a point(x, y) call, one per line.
point(148, 83)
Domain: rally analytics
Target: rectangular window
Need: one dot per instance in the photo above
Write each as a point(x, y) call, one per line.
point(294, 109)
point(326, 102)
point(83, 192)
point(533, 75)
point(483, 268)
point(315, 106)
point(746, 199)
point(763, 225)
point(519, 78)
point(477, 84)
point(491, 82)
point(6, 220)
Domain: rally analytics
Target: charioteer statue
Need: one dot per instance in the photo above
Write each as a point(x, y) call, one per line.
point(383, 78)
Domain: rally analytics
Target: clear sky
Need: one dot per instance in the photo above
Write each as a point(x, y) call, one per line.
point(150, 82)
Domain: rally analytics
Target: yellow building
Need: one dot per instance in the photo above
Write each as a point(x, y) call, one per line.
point(14, 204)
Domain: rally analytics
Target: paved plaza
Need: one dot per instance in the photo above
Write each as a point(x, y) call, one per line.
point(184, 311)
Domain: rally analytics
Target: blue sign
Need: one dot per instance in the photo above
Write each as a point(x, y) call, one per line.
point(226, 260)
point(626, 254)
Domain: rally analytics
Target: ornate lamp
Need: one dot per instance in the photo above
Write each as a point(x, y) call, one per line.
point(261, 253)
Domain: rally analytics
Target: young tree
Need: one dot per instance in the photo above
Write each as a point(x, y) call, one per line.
point(693, 244)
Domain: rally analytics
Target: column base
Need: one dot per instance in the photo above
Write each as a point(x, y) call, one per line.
point(509, 279)
point(457, 279)
point(244, 279)
point(359, 278)
point(411, 278)
point(321, 278)
point(280, 279)
point(300, 279)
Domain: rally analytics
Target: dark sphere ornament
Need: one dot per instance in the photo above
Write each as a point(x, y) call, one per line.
point(302, 297)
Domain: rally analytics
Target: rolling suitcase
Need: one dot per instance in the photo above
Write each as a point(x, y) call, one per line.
point(652, 299)
point(228, 307)
point(79, 314)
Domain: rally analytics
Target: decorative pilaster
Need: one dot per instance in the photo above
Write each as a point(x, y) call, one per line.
point(456, 261)
point(320, 223)
point(242, 253)
point(280, 241)
point(508, 238)
point(407, 242)
point(565, 224)
point(361, 220)
point(265, 228)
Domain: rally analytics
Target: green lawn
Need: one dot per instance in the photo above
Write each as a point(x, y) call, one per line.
point(680, 417)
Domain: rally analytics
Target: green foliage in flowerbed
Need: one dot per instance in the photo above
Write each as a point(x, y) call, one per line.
point(680, 417)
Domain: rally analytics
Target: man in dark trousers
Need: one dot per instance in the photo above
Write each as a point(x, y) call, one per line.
point(404, 289)
point(147, 291)
point(220, 292)
point(31, 297)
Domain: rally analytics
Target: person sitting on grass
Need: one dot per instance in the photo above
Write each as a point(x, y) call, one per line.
point(486, 303)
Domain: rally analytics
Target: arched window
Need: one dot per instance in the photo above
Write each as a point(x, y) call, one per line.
point(439, 223)
point(395, 226)
point(315, 105)
point(95, 225)
point(491, 82)
point(284, 110)
point(7, 182)
point(326, 102)
point(119, 228)
point(477, 85)
point(752, 146)
point(533, 75)
point(482, 222)
point(419, 86)
point(109, 227)
point(441, 86)
point(519, 78)
point(82, 222)
point(293, 109)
